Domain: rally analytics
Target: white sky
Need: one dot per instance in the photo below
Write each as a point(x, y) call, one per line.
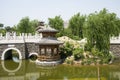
point(12, 11)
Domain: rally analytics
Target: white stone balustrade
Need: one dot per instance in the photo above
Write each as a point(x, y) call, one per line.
point(21, 38)
point(28, 37)
point(115, 40)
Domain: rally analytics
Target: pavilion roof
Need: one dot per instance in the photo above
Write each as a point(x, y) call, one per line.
point(46, 29)
point(49, 41)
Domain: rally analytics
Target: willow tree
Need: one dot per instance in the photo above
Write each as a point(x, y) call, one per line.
point(76, 25)
point(100, 27)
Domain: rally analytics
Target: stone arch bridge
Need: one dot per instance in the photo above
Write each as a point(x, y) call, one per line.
point(24, 44)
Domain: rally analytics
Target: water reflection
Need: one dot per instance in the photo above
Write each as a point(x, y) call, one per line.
point(11, 66)
point(25, 70)
point(16, 59)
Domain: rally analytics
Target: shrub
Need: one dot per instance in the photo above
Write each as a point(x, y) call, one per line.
point(103, 57)
point(66, 50)
point(107, 58)
point(95, 52)
point(87, 47)
point(78, 53)
point(69, 60)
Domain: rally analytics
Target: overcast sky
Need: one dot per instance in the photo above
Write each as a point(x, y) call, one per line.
point(11, 11)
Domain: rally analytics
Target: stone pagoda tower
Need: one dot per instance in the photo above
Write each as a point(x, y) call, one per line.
point(48, 45)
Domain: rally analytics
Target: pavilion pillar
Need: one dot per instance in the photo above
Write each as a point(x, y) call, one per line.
point(57, 50)
point(39, 50)
point(45, 51)
point(52, 51)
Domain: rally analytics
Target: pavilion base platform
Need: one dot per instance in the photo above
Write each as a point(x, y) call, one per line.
point(48, 63)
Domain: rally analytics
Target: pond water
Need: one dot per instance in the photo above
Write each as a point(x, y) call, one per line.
point(26, 70)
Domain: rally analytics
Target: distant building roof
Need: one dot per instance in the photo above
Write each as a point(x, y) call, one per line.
point(49, 41)
point(46, 29)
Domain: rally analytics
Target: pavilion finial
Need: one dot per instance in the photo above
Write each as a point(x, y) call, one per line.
point(41, 23)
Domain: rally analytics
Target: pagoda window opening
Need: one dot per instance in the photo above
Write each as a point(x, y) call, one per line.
point(55, 51)
point(42, 51)
point(45, 51)
point(48, 50)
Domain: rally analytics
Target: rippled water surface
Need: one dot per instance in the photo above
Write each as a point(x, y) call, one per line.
point(26, 70)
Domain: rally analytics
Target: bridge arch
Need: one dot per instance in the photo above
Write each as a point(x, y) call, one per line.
point(33, 57)
point(3, 54)
point(33, 54)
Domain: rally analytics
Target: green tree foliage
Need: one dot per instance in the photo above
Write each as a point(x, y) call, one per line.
point(8, 29)
point(100, 27)
point(27, 26)
point(2, 31)
point(66, 50)
point(67, 32)
point(76, 25)
point(1, 28)
point(78, 53)
point(1, 25)
point(56, 23)
point(14, 28)
point(34, 25)
point(24, 25)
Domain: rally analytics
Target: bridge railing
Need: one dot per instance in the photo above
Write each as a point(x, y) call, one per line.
point(24, 37)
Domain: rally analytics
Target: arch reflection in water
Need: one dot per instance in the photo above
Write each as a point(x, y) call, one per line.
point(11, 66)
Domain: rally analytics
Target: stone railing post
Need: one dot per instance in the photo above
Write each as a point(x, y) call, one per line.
point(20, 36)
point(23, 36)
point(29, 36)
point(35, 35)
point(14, 35)
point(26, 36)
point(7, 36)
point(1, 36)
